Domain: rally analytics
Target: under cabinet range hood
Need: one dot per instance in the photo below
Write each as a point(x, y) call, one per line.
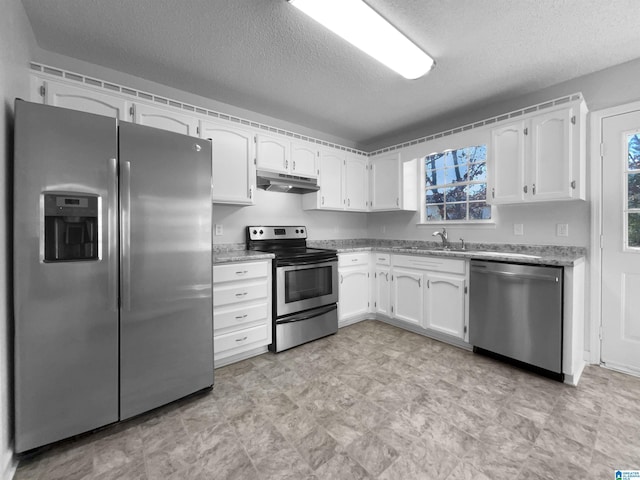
point(281, 182)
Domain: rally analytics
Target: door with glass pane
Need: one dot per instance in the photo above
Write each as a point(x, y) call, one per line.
point(621, 242)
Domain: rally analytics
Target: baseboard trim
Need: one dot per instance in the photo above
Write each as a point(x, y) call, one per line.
point(221, 362)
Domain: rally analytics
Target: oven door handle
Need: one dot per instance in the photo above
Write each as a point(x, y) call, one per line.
point(307, 315)
point(310, 262)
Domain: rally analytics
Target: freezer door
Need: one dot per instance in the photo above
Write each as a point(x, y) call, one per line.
point(166, 323)
point(65, 310)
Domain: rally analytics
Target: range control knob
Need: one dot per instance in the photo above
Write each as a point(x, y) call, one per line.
point(297, 231)
point(301, 231)
point(261, 232)
point(255, 231)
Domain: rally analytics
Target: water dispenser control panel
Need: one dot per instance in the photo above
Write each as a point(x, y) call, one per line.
point(70, 227)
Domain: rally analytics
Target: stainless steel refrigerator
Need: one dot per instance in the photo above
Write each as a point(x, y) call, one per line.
point(112, 271)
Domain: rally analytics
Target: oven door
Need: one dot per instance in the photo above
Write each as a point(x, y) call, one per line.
point(306, 285)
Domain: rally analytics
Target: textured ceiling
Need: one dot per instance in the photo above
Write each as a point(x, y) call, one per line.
point(266, 56)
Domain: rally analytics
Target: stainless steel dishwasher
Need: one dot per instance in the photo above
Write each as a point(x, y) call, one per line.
point(515, 311)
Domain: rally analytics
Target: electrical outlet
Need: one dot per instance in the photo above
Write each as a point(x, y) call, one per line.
point(562, 229)
point(518, 229)
point(219, 229)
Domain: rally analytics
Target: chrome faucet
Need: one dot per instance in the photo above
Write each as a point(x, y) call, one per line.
point(443, 236)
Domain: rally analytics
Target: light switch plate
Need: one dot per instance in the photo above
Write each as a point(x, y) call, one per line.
point(562, 229)
point(219, 229)
point(518, 229)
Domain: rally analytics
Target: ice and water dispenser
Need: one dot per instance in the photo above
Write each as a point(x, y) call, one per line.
point(70, 227)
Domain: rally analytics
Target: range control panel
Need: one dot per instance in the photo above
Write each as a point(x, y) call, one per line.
point(275, 233)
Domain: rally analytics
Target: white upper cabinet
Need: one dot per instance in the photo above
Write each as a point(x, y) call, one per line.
point(83, 99)
point(356, 183)
point(385, 182)
point(303, 159)
point(165, 119)
point(506, 164)
point(394, 183)
point(330, 181)
point(234, 173)
point(273, 153)
point(540, 158)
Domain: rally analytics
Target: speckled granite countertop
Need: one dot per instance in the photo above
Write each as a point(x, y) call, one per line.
point(223, 255)
point(530, 254)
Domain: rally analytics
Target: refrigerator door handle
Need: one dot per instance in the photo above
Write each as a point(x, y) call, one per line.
point(125, 232)
point(112, 234)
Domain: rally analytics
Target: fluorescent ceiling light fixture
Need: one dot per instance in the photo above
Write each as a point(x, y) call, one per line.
point(360, 25)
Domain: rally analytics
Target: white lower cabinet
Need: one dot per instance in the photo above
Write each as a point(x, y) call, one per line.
point(430, 293)
point(382, 284)
point(353, 287)
point(445, 304)
point(408, 295)
point(241, 310)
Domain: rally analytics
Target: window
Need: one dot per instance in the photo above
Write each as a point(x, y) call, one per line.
point(633, 190)
point(456, 185)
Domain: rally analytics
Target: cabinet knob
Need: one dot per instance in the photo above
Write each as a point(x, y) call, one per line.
point(493, 193)
point(525, 189)
point(533, 188)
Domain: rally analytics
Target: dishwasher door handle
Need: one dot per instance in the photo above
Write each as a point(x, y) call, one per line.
point(528, 276)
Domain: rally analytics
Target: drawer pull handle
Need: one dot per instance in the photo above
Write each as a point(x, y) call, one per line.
point(241, 339)
point(243, 272)
point(240, 317)
point(241, 294)
point(354, 259)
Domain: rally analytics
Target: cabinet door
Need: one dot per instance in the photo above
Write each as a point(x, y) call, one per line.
point(272, 153)
point(551, 156)
point(353, 292)
point(85, 100)
point(506, 164)
point(382, 291)
point(445, 299)
point(234, 173)
point(165, 119)
point(331, 164)
point(408, 297)
point(356, 183)
point(385, 182)
point(303, 159)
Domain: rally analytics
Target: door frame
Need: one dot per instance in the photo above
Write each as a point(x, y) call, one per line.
point(595, 252)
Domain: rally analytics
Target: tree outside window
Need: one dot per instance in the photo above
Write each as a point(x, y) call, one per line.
point(456, 185)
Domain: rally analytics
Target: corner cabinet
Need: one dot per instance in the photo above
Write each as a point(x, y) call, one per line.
point(354, 287)
point(330, 181)
point(356, 183)
point(382, 284)
point(539, 158)
point(394, 183)
point(241, 310)
point(234, 173)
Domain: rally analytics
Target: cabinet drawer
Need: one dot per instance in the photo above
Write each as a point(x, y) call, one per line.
point(351, 259)
point(230, 317)
point(233, 293)
point(435, 264)
point(382, 258)
point(239, 271)
point(240, 338)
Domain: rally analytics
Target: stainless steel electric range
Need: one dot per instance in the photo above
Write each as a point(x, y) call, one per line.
point(305, 285)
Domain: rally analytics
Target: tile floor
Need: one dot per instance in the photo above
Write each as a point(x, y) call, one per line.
point(372, 402)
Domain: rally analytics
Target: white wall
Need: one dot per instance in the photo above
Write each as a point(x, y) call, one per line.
point(273, 208)
point(16, 42)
